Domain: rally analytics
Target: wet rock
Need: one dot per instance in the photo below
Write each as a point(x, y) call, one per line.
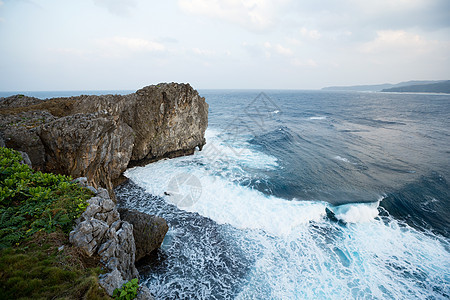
point(148, 230)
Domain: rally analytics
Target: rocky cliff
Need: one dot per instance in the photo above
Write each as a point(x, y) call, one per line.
point(98, 137)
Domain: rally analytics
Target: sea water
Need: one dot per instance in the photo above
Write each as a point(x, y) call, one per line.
point(247, 214)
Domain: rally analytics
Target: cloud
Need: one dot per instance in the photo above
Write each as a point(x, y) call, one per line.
point(312, 34)
point(122, 46)
point(395, 42)
point(135, 44)
point(283, 50)
point(71, 51)
point(203, 52)
point(278, 49)
point(304, 63)
point(255, 15)
point(117, 7)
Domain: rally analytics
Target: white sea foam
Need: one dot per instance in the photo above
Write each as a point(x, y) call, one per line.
point(317, 118)
point(356, 212)
point(295, 252)
point(233, 150)
point(337, 157)
point(360, 261)
point(343, 159)
point(228, 202)
point(225, 201)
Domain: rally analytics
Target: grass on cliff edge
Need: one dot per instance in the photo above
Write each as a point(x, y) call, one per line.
point(37, 211)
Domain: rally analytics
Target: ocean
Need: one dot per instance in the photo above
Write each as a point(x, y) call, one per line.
point(248, 217)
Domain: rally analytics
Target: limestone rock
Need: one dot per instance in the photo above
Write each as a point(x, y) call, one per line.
point(148, 230)
point(91, 145)
point(20, 132)
point(168, 119)
point(88, 235)
point(98, 137)
point(18, 101)
point(144, 293)
point(100, 231)
point(82, 181)
point(25, 159)
point(111, 281)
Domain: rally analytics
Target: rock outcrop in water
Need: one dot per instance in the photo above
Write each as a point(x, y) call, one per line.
point(100, 136)
point(149, 231)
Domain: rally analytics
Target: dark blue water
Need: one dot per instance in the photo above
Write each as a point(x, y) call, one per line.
point(255, 225)
point(350, 147)
point(273, 163)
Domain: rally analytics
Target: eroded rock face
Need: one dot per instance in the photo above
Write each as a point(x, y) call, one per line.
point(21, 132)
point(101, 231)
point(99, 136)
point(92, 145)
point(148, 230)
point(166, 118)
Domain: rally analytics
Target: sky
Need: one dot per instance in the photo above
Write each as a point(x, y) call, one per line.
point(221, 44)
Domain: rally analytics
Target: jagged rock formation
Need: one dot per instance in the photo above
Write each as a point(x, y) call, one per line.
point(148, 231)
point(101, 232)
point(100, 136)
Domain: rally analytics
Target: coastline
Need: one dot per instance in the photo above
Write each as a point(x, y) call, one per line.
point(96, 138)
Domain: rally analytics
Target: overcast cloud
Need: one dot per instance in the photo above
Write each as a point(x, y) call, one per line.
point(127, 44)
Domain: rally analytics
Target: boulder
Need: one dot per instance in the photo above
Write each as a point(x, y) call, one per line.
point(148, 230)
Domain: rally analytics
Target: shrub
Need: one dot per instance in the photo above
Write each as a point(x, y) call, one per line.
point(34, 201)
point(128, 291)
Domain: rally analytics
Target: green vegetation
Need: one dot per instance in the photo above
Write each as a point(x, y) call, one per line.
point(35, 201)
point(37, 211)
point(128, 291)
point(36, 269)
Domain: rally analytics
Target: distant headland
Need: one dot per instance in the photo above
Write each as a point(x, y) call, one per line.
point(414, 86)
